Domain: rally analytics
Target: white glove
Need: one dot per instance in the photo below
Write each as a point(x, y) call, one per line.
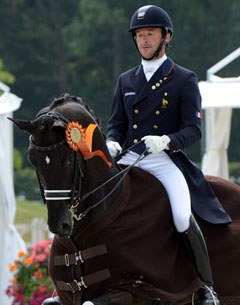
point(156, 144)
point(114, 148)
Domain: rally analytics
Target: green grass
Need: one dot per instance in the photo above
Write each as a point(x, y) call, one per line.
point(27, 210)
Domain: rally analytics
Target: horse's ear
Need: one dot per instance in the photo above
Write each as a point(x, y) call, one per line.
point(28, 126)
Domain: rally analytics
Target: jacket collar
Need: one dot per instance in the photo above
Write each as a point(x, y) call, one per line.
point(159, 77)
point(165, 69)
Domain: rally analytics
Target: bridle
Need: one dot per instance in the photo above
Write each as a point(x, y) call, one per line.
point(62, 194)
point(74, 195)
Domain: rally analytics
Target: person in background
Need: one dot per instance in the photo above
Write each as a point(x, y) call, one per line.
point(157, 105)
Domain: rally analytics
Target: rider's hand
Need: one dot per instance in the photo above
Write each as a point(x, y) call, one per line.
point(114, 148)
point(156, 144)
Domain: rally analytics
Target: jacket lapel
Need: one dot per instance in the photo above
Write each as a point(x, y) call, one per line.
point(159, 77)
point(139, 79)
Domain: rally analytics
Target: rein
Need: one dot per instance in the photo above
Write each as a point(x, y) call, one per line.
point(123, 172)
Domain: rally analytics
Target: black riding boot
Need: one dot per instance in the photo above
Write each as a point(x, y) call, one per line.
point(195, 245)
point(52, 301)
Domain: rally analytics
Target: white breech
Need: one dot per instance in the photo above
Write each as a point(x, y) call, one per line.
point(163, 168)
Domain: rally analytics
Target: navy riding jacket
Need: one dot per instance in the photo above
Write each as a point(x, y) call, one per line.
point(168, 104)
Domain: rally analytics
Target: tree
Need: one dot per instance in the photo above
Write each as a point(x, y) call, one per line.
point(5, 76)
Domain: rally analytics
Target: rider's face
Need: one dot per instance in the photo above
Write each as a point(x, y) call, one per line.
point(148, 41)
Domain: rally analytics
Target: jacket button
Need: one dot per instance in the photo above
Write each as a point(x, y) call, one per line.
point(135, 141)
point(136, 111)
point(157, 112)
point(135, 126)
point(155, 126)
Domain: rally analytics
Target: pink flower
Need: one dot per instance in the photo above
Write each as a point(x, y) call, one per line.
point(31, 283)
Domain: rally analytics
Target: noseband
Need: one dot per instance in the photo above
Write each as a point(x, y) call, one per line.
point(57, 194)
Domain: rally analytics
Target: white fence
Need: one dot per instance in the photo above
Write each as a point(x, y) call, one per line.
point(34, 232)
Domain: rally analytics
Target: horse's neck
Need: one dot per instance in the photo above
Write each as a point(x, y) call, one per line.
point(107, 184)
point(109, 181)
point(104, 197)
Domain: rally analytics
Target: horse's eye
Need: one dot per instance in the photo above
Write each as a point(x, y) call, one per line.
point(69, 159)
point(31, 158)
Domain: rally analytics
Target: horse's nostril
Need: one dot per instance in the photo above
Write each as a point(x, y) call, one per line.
point(66, 228)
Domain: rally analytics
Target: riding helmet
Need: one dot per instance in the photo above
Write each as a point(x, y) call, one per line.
point(150, 16)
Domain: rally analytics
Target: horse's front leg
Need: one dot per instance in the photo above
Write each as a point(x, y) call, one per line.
point(121, 297)
point(113, 297)
point(117, 297)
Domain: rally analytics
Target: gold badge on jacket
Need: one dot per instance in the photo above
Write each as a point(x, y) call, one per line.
point(164, 104)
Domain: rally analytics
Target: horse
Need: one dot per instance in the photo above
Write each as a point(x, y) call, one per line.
point(115, 242)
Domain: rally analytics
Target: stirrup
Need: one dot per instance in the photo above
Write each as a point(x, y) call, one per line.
point(52, 301)
point(208, 296)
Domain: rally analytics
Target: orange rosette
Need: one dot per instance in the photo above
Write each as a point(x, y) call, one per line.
point(74, 134)
point(80, 139)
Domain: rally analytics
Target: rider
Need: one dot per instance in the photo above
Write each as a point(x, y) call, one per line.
point(157, 105)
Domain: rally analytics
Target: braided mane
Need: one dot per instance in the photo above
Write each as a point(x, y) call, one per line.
point(66, 97)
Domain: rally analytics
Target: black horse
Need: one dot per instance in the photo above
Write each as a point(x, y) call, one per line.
point(114, 242)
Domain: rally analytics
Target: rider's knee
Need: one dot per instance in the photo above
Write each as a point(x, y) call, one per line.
point(182, 222)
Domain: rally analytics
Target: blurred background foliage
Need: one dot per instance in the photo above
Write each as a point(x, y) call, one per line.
point(81, 46)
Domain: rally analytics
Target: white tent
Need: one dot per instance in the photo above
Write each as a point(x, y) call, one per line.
point(219, 97)
point(10, 240)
